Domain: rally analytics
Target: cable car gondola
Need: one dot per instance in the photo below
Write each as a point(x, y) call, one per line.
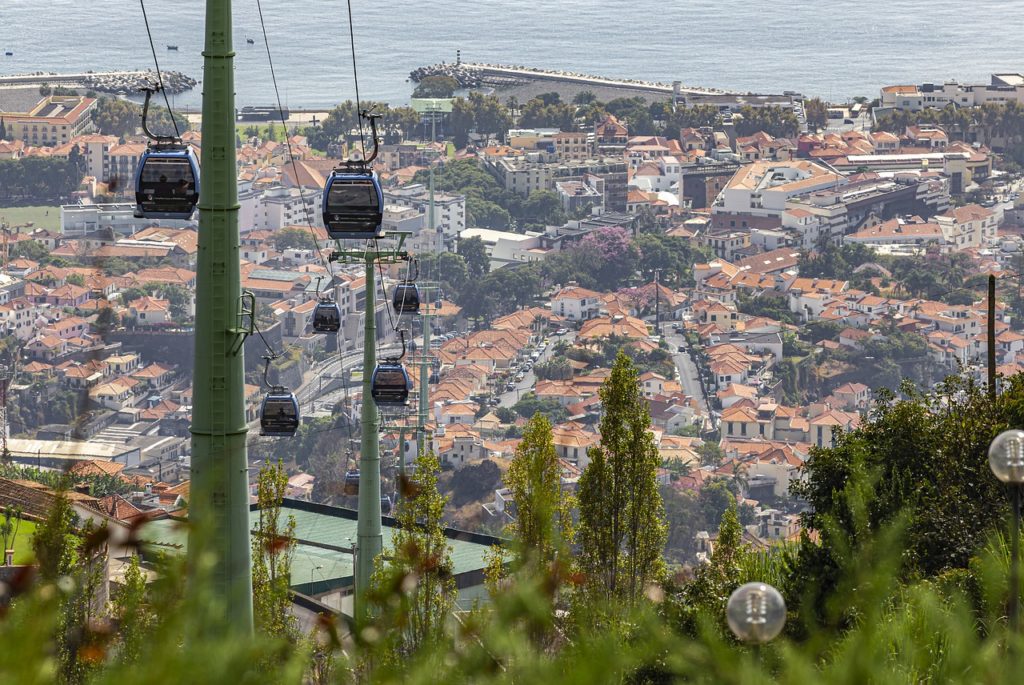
point(406, 298)
point(167, 177)
point(353, 203)
point(326, 317)
point(279, 413)
point(351, 486)
point(390, 384)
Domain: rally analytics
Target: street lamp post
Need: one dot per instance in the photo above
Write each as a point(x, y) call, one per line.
point(756, 613)
point(315, 568)
point(1006, 459)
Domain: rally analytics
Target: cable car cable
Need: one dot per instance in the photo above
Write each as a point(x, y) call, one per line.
point(355, 78)
point(159, 76)
point(288, 145)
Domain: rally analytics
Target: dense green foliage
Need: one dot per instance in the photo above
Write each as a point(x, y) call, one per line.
point(904, 582)
point(41, 180)
point(117, 117)
point(622, 520)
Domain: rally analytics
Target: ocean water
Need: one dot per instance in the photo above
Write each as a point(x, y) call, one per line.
point(829, 48)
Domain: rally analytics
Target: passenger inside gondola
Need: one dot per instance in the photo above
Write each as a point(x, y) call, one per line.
point(167, 186)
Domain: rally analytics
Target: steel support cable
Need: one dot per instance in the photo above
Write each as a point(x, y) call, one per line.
point(159, 76)
point(288, 144)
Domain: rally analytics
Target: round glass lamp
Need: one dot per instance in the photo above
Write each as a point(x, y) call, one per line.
point(1006, 456)
point(756, 612)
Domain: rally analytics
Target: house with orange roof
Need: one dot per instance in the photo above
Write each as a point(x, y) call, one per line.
point(614, 326)
point(571, 443)
point(150, 311)
point(564, 392)
point(70, 327)
point(969, 226)
point(461, 412)
point(852, 396)
point(154, 376)
point(575, 303)
point(825, 426)
point(735, 392)
point(115, 394)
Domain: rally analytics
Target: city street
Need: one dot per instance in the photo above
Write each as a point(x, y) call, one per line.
point(524, 386)
point(689, 377)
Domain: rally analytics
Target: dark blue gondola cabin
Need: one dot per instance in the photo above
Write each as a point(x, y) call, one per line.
point(167, 183)
point(326, 317)
point(406, 299)
point(353, 206)
point(390, 385)
point(351, 486)
point(279, 413)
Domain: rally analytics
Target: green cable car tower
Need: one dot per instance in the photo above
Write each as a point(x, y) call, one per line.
point(219, 497)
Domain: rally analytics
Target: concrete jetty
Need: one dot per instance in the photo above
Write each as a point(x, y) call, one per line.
point(105, 81)
point(476, 75)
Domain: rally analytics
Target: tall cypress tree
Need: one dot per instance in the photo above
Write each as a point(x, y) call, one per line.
point(543, 522)
point(622, 528)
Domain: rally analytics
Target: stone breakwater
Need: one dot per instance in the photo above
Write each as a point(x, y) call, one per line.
point(126, 82)
point(469, 75)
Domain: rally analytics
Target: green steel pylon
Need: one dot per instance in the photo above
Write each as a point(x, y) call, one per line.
point(369, 536)
point(219, 497)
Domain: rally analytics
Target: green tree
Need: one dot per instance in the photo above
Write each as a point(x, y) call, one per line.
point(622, 520)
point(530, 404)
point(543, 520)
point(131, 609)
point(288, 238)
point(816, 112)
point(473, 250)
point(919, 462)
point(273, 547)
point(715, 581)
point(420, 560)
point(542, 208)
point(54, 542)
point(9, 526)
point(436, 87)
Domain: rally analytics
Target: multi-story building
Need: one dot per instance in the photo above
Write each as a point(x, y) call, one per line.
point(120, 163)
point(449, 210)
point(530, 173)
point(54, 120)
point(276, 207)
point(1002, 88)
point(572, 145)
point(968, 226)
point(762, 188)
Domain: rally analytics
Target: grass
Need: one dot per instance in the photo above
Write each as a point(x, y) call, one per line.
point(23, 543)
point(41, 217)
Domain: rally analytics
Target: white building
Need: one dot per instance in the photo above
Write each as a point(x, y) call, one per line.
point(969, 226)
point(78, 220)
point(1002, 88)
point(504, 247)
point(762, 188)
point(576, 304)
point(449, 210)
point(274, 208)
